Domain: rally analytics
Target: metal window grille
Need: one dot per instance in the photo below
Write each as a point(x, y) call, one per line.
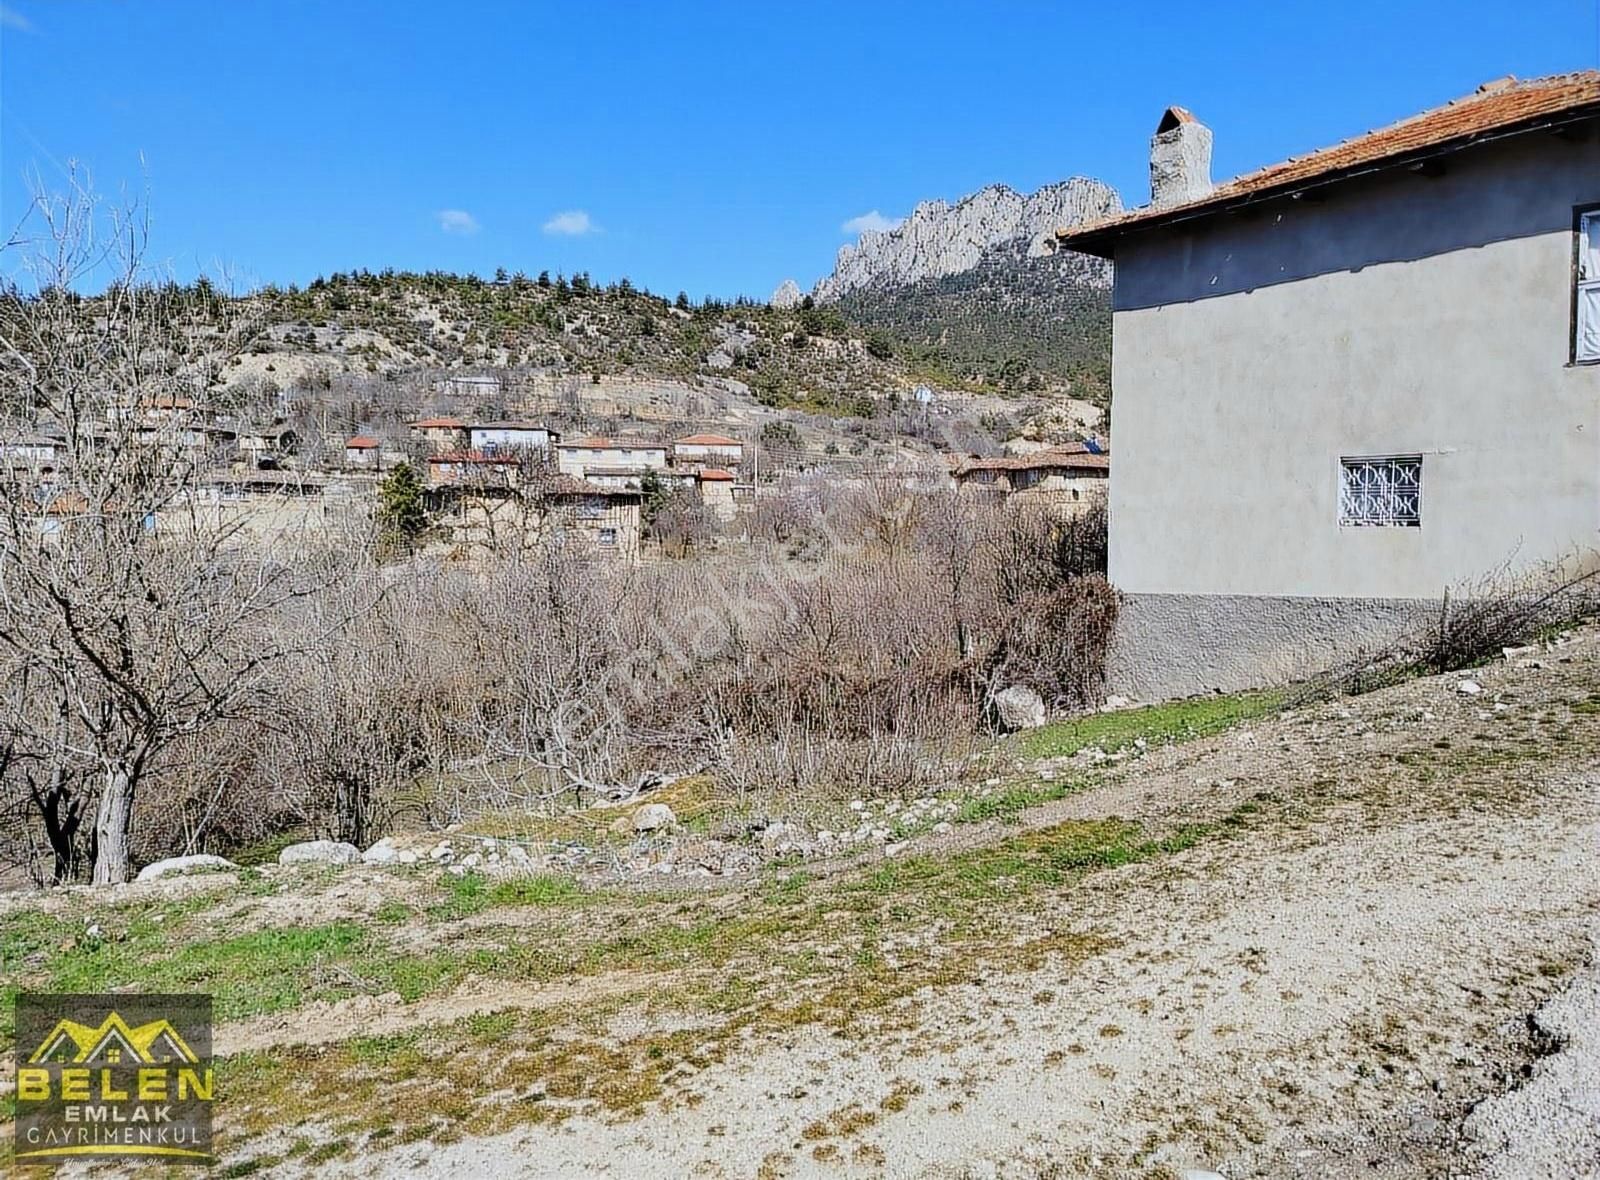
point(1384, 491)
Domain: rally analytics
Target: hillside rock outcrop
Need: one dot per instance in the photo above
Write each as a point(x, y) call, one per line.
point(787, 295)
point(940, 239)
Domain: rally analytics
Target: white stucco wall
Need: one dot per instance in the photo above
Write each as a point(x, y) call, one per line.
point(1402, 314)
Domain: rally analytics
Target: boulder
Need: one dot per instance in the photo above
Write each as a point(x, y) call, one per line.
point(320, 852)
point(382, 853)
point(174, 865)
point(652, 817)
point(1019, 708)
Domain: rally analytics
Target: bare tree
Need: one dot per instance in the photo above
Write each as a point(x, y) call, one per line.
point(149, 616)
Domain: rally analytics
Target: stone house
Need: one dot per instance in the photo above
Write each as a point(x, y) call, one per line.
point(716, 493)
point(1349, 381)
point(441, 434)
point(497, 519)
point(1071, 476)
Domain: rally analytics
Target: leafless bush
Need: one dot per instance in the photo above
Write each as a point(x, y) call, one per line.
point(1056, 643)
point(1474, 622)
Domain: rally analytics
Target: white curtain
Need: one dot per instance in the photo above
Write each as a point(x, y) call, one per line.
point(1589, 249)
point(1589, 322)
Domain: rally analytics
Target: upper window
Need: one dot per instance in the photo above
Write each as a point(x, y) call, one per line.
point(1586, 330)
point(1383, 491)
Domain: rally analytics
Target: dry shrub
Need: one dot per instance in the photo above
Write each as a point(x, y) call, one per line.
point(1473, 623)
point(1056, 642)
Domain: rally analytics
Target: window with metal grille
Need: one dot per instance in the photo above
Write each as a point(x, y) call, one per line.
point(1586, 327)
point(1384, 490)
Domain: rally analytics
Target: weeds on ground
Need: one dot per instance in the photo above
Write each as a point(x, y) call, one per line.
point(1176, 721)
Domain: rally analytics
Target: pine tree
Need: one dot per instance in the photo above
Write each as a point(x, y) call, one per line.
point(402, 516)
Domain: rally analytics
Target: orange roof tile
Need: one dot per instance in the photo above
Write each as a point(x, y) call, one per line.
point(361, 442)
point(716, 475)
point(709, 440)
point(1505, 106)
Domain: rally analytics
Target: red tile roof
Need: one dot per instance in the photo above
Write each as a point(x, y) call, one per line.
point(1072, 455)
point(709, 440)
point(1502, 107)
point(716, 475)
point(361, 442)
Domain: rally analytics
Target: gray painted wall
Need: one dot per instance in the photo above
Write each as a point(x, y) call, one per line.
point(1170, 645)
point(1403, 314)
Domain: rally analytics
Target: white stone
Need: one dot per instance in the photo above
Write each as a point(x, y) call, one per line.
point(652, 817)
point(382, 853)
point(201, 862)
point(320, 852)
point(1469, 688)
point(1019, 708)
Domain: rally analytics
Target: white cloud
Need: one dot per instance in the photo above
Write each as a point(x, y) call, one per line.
point(12, 19)
point(873, 222)
point(458, 221)
point(573, 223)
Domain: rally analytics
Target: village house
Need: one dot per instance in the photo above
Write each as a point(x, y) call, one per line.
point(716, 492)
point(496, 437)
point(30, 449)
point(469, 385)
point(472, 468)
point(361, 451)
point(578, 458)
point(714, 450)
point(270, 445)
point(1350, 381)
point(503, 521)
point(441, 434)
point(1071, 476)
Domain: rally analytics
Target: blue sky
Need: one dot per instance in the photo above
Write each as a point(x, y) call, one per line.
point(714, 147)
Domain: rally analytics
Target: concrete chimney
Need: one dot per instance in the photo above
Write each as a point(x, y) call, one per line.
point(1180, 159)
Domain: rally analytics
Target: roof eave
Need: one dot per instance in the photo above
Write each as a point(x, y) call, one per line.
point(1101, 243)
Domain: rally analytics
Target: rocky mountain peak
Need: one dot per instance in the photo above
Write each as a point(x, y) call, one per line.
point(787, 295)
point(941, 239)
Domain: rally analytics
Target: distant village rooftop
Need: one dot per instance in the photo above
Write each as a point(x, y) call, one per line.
point(1502, 107)
point(613, 444)
point(708, 440)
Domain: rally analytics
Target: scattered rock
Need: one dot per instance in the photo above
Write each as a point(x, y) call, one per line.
point(172, 866)
point(652, 817)
point(320, 852)
point(383, 852)
point(1019, 708)
point(1469, 688)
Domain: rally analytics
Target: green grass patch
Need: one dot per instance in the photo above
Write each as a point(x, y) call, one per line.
point(1175, 721)
point(1009, 803)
